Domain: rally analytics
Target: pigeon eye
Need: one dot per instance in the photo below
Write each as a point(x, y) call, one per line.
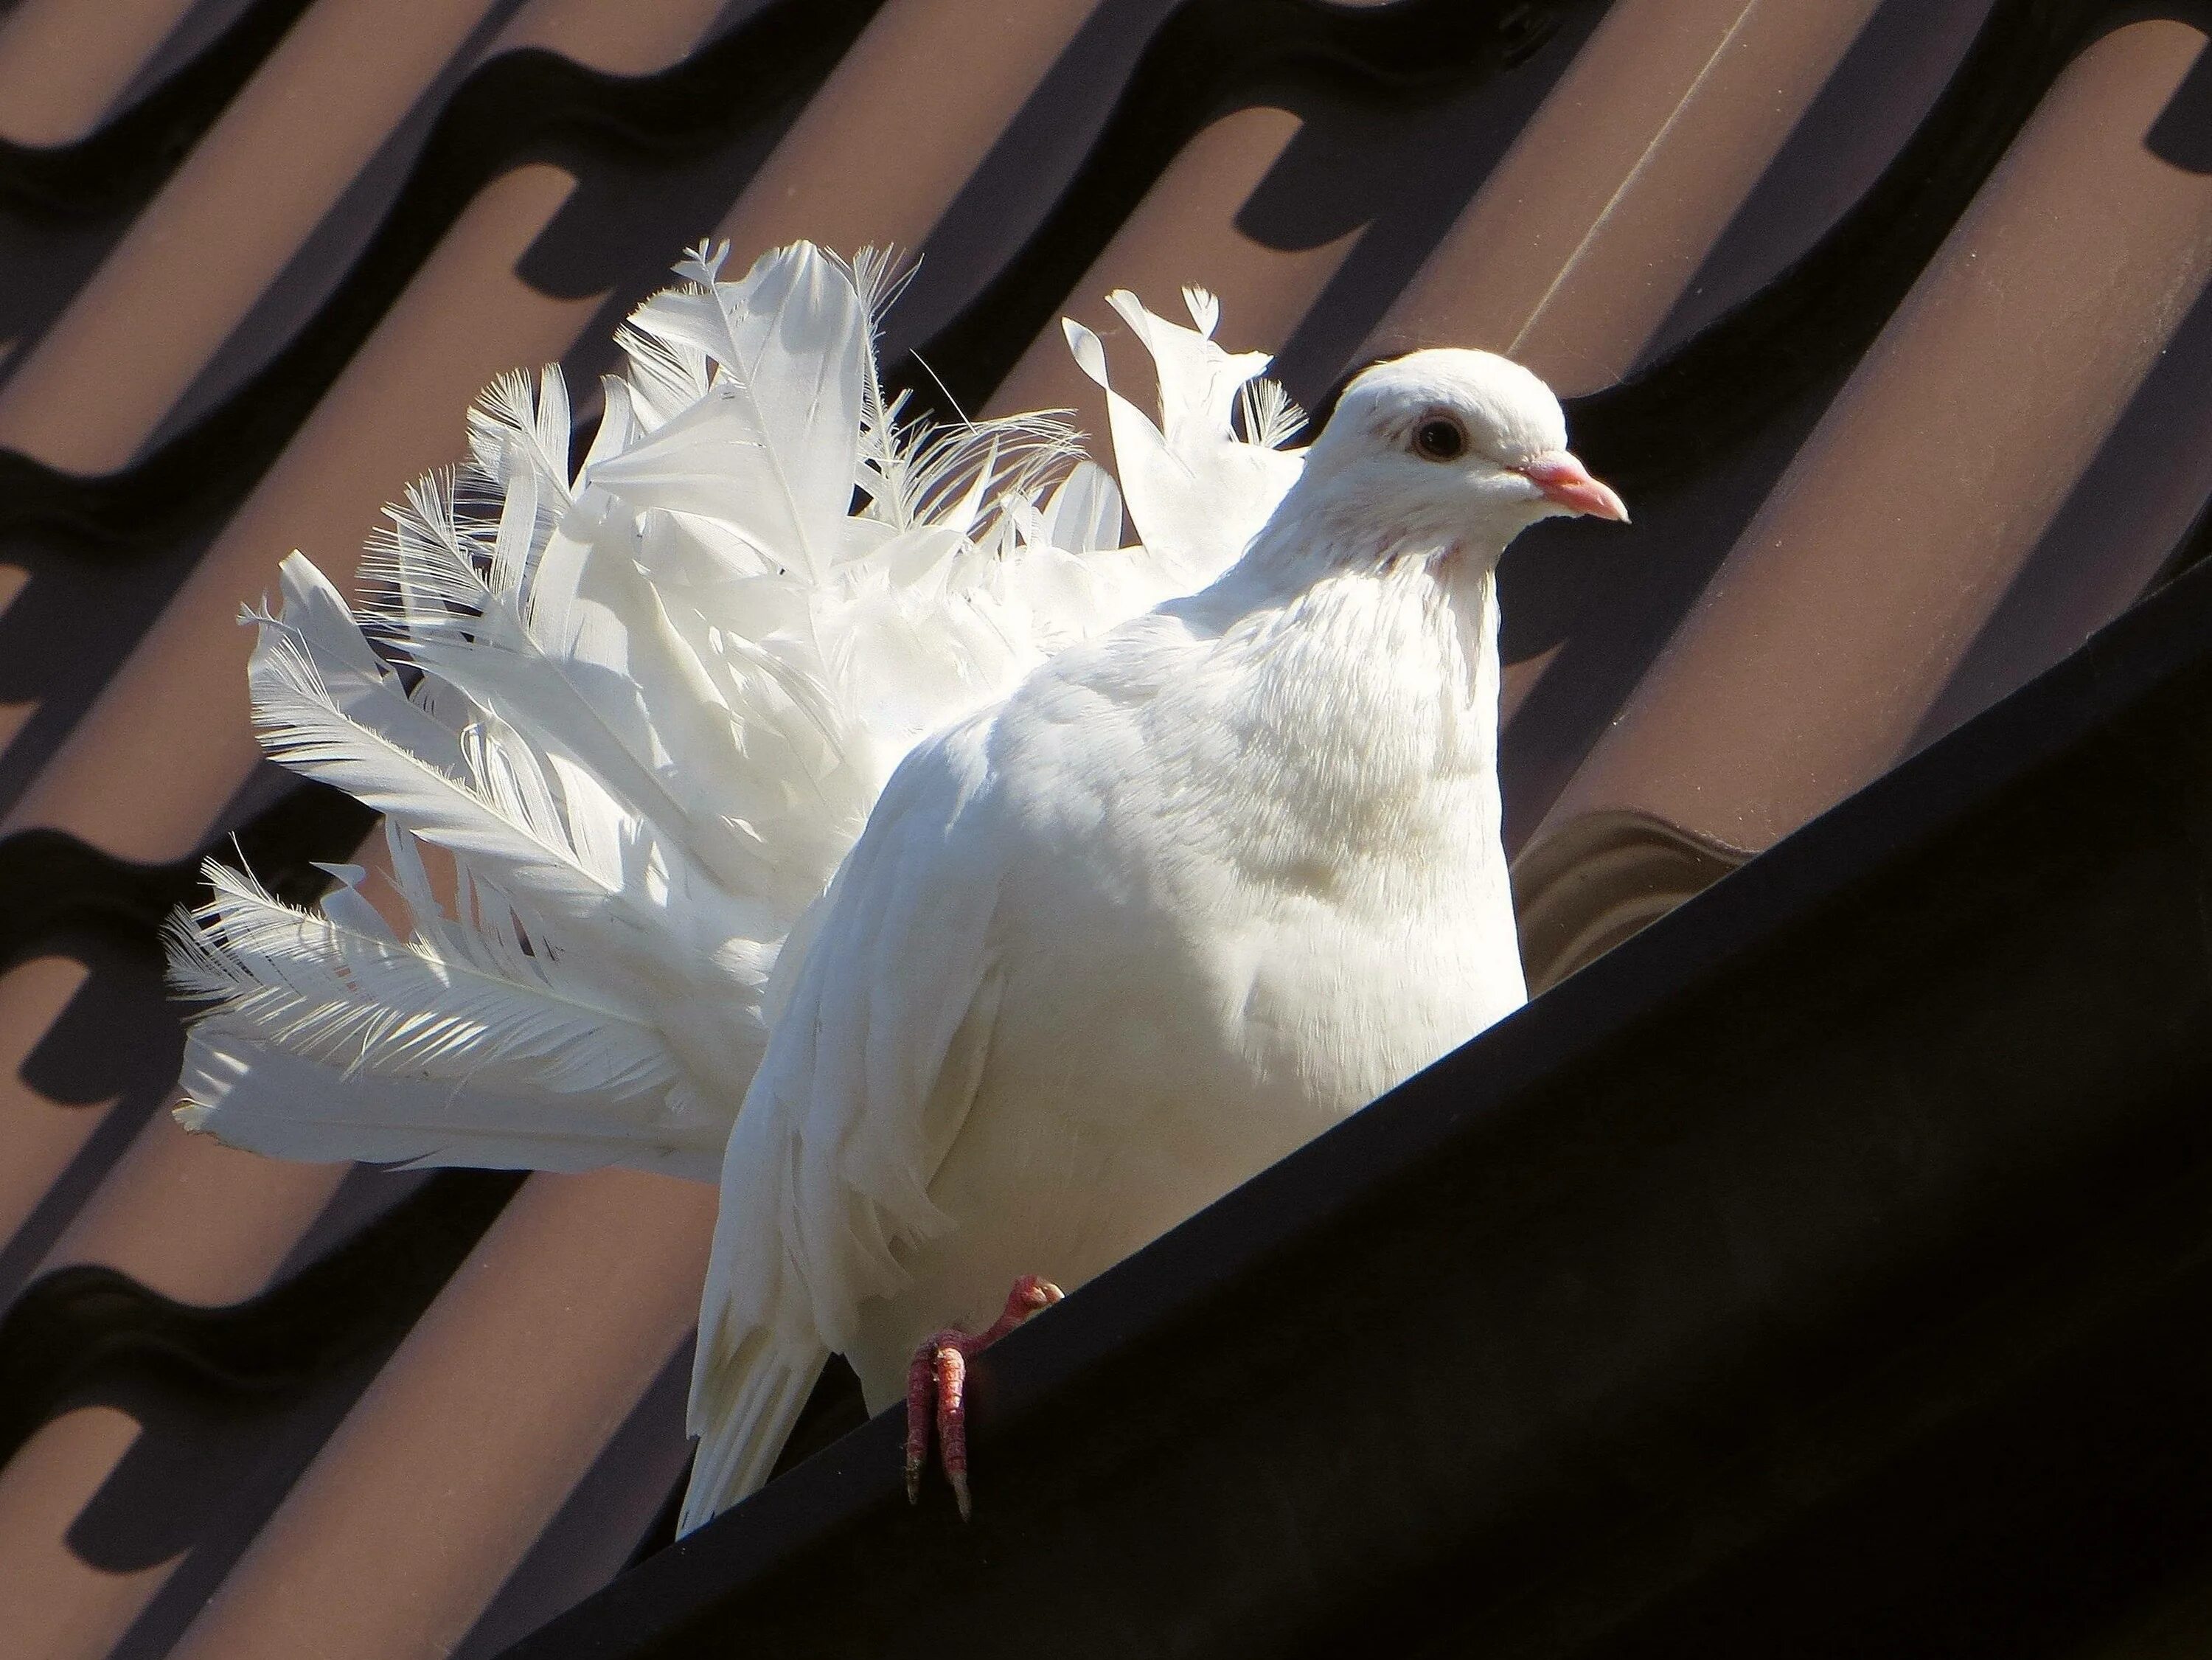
point(1440, 439)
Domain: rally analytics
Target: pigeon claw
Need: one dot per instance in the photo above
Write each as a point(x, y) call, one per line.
point(937, 1391)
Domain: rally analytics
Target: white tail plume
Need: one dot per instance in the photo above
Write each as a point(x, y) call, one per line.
point(639, 709)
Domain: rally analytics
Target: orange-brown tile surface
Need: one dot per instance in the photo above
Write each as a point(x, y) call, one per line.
point(1891, 313)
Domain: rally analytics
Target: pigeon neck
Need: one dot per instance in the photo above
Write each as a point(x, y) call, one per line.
point(1382, 673)
point(1329, 533)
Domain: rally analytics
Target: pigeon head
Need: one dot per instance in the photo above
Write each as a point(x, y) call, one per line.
point(1451, 448)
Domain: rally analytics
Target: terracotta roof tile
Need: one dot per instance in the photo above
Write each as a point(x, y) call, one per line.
point(432, 1491)
point(1957, 430)
point(1185, 230)
point(58, 78)
point(899, 124)
point(88, 395)
point(42, 1135)
point(1814, 656)
point(1587, 231)
point(56, 1603)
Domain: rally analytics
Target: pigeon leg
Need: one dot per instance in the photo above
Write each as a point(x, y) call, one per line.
point(937, 1386)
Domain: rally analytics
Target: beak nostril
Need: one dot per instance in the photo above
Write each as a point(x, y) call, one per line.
point(1565, 480)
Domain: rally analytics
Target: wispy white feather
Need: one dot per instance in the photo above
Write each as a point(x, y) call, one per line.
point(449, 1004)
point(643, 704)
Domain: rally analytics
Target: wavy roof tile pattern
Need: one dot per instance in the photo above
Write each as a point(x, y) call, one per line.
point(1890, 314)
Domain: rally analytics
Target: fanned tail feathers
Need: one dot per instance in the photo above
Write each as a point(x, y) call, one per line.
point(625, 717)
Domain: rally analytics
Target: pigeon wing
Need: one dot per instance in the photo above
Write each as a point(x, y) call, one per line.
point(876, 1059)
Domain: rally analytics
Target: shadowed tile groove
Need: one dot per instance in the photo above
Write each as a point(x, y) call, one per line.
point(1698, 433)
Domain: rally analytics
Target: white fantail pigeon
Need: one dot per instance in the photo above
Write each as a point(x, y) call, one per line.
point(1173, 854)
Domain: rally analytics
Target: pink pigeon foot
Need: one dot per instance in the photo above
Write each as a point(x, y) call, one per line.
point(939, 1369)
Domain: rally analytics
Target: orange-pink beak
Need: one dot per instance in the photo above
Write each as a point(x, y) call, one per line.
point(1568, 482)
